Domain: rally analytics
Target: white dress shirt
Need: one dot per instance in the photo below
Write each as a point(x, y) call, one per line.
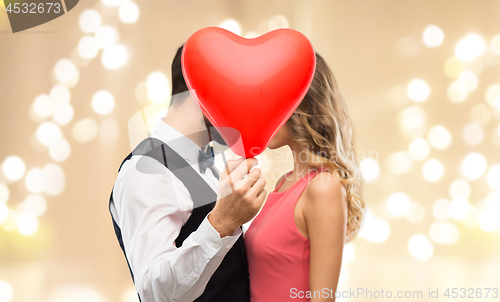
point(150, 210)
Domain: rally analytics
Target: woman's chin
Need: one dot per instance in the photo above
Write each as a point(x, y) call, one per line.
point(274, 146)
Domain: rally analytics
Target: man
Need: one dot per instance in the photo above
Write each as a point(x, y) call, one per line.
point(179, 229)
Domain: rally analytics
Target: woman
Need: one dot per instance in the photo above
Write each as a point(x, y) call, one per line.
point(294, 246)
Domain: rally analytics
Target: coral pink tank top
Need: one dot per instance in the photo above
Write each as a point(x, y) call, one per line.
point(278, 254)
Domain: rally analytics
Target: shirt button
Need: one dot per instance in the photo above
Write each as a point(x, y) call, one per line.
point(195, 276)
point(228, 246)
point(216, 245)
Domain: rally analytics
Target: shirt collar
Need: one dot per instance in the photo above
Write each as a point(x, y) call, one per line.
point(185, 147)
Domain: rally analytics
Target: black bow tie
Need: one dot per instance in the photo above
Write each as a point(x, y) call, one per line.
point(206, 160)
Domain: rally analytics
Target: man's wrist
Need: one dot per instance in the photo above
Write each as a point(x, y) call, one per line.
point(221, 225)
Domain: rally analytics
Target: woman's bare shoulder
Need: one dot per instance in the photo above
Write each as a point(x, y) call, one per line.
point(325, 189)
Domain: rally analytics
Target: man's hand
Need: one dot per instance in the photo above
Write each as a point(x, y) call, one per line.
point(239, 198)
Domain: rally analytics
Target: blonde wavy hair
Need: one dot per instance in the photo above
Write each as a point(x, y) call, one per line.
point(322, 128)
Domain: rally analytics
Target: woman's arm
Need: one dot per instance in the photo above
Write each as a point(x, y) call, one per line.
point(325, 213)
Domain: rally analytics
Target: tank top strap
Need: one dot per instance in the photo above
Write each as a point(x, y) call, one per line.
point(303, 181)
point(282, 181)
point(319, 170)
point(312, 173)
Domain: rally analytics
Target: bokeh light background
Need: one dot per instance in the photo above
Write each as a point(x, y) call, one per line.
point(421, 80)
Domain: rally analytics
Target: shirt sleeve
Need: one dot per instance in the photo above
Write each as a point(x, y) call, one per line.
point(150, 217)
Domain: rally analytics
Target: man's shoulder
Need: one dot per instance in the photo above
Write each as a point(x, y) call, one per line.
point(152, 186)
point(141, 167)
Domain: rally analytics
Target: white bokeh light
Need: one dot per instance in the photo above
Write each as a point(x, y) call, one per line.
point(48, 133)
point(473, 166)
point(114, 56)
point(433, 36)
point(459, 208)
point(412, 120)
point(472, 219)
point(66, 72)
point(277, 22)
point(460, 188)
point(343, 278)
point(231, 25)
point(420, 247)
point(493, 177)
point(60, 150)
point(158, 87)
point(90, 21)
point(34, 204)
point(433, 170)
point(492, 94)
point(399, 204)
point(13, 168)
point(495, 45)
point(54, 180)
point(453, 67)
point(458, 92)
point(488, 220)
point(27, 224)
point(60, 94)
point(63, 113)
point(418, 90)
point(85, 130)
point(439, 137)
point(473, 134)
point(469, 79)
point(400, 162)
point(373, 229)
point(419, 149)
point(416, 213)
point(496, 103)
point(103, 102)
point(348, 253)
point(129, 294)
point(43, 106)
point(106, 36)
point(444, 233)
point(34, 180)
point(369, 169)
point(6, 291)
point(128, 12)
point(440, 209)
point(470, 47)
point(87, 47)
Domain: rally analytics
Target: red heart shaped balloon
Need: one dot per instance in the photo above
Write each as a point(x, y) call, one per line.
point(248, 88)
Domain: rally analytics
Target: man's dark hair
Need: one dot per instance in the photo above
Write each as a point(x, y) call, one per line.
point(178, 82)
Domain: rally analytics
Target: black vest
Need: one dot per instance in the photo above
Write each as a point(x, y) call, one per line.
point(230, 282)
